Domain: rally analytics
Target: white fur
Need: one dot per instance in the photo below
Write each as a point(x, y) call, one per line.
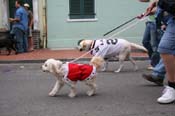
point(56, 67)
point(123, 53)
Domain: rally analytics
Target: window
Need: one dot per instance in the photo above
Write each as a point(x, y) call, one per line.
point(81, 9)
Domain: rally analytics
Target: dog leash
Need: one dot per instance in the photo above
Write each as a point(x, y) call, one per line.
point(120, 26)
point(128, 27)
point(81, 56)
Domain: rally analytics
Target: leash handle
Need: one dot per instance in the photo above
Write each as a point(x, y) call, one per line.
point(120, 26)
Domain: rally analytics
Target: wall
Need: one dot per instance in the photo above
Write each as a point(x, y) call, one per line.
point(63, 33)
point(4, 24)
point(109, 14)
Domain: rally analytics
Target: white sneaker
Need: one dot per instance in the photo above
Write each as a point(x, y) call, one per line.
point(168, 96)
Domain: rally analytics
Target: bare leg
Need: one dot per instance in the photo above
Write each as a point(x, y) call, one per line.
point(169, 61)
point(30, 42)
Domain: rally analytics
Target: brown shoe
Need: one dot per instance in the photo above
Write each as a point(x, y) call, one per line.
point(153, 79)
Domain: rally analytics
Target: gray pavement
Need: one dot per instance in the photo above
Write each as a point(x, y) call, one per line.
point(24, 92)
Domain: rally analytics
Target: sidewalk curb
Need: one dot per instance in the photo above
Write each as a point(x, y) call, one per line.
point(63, 59)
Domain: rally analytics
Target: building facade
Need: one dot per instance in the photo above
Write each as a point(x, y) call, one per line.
point(63, 22)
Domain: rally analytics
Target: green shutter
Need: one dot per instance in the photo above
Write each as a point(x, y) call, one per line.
point(74, 7)
point(89, 7)
point(80, 9)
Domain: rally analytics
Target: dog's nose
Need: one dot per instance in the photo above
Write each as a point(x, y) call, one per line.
point(81, 49)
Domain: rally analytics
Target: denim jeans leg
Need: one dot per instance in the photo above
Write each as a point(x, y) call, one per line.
point(153, 34)
point(159, 70)
point(146, 39)
point(154, 44)
point(25, 42)
point(19, 40)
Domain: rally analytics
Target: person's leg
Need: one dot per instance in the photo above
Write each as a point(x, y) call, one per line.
point(146, 39)
point(155, 57)
point(169, 61)
point(167, 51)
point(30, 41)
point(159, 70)
point(168, 95)
point(25, 41)
point(19, 40)
point(158, 74)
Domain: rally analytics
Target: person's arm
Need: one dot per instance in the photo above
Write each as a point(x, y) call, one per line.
point(14, 19)
point(151, 8)
point(17, 17)
point(31, 20)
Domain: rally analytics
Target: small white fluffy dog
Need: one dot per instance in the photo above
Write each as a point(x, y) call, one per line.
point(107, 48)
point(70, 73)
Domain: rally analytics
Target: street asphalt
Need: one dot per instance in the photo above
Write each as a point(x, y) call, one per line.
point(24, 91)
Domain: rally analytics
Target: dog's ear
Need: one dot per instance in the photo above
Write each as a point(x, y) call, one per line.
point(80, 45)
point(79, 41)
point(56, 67)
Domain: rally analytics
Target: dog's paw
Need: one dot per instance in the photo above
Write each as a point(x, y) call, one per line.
point(136, 68)
point(72, 95)
point(117, 71)
point(103, 69)
point(90, 93)
point(52, 94)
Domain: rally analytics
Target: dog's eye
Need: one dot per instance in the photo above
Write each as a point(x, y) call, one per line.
point(45, 65)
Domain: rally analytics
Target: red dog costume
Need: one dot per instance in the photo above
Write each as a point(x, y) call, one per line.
point(75, 72)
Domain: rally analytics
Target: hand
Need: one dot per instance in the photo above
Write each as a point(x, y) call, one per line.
point(163, 27)
point(11, 19)
point(140, 16)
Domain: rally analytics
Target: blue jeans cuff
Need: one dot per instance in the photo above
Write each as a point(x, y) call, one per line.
point(158, 76)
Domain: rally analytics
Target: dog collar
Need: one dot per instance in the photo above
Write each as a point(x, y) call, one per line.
point(93, 44)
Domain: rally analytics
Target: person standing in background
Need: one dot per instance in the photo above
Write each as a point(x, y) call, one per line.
point(20, 27)
point(30, 24)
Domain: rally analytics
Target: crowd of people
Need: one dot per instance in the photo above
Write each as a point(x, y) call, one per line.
point(159, 38)
point(22, 27)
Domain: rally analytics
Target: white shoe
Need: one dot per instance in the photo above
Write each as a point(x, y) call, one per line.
point(168, 96)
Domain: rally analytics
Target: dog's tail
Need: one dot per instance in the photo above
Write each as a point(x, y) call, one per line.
point(139, 47)
point(97, 61)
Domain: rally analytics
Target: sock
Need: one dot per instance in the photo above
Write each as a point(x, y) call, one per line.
point(171, 84)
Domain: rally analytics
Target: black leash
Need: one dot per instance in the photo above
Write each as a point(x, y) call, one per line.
point(120, 26)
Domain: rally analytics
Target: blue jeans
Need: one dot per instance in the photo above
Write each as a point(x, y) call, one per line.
point(151, 40)
point(159, 70)
point(21, 39)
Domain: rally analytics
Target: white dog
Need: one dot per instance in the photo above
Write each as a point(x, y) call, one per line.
point(107, 48)
point(70, 73)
